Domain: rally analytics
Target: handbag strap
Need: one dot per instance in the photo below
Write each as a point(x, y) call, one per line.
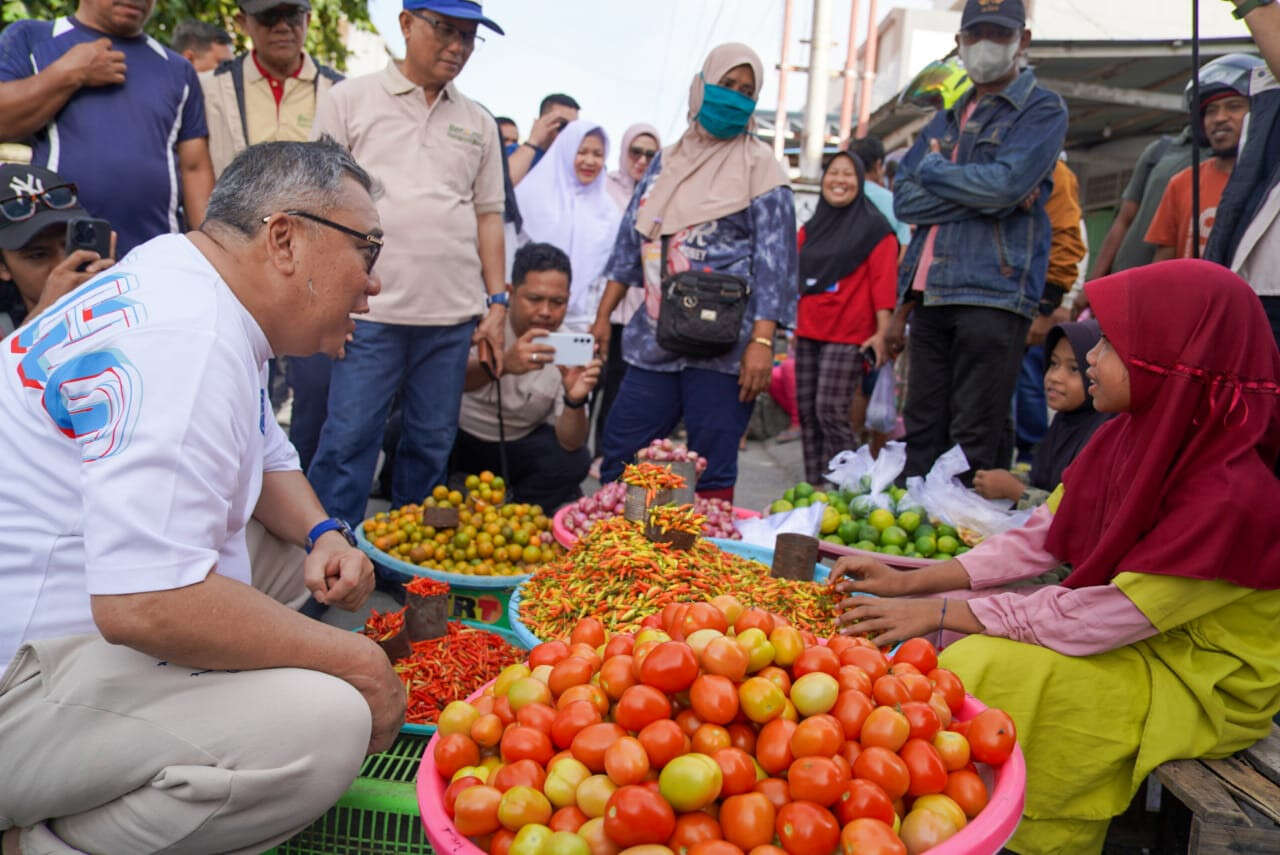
point(663, 240)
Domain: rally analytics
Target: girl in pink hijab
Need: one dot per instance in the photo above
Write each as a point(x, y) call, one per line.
point(640, 144)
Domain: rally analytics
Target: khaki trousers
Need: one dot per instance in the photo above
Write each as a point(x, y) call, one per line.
point(106, 750)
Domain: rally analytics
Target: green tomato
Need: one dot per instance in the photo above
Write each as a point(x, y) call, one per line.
point(566, 843)
point(691, 782)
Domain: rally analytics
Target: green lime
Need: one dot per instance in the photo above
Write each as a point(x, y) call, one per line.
point(847, 531)
point(830, 521)
point(962, 550)
point(869, 533)
point(780, 506)
point(926, 545)
point(896, 493)
point(948, 544)
point(841, 505)
point(819, 496)
point(880, 518)
point(891, 550)
point(803, 490)
point(947, 531)
point(803, 503)
point(909, 521)
point(831, 538)
point(865, 483)
point(893, 536)
point(925, 530)
point(862, 505)
point(865, 545)
point(789, 495)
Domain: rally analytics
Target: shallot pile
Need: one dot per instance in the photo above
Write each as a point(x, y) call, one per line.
point(666, 451)
point(608, 501)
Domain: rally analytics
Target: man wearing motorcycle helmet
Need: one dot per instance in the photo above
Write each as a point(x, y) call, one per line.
point(1224, 104)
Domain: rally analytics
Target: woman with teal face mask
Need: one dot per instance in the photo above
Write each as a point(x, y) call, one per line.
point(722, 205)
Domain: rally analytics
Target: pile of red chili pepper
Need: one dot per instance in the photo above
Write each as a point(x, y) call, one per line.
point(451, 668)
point(423, 586)
point(618, 575)
point(381, 627)
point(651, 477)
point(665, 518)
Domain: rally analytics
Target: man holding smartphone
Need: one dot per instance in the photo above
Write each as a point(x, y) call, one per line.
point(35, 207)
point(538, 406)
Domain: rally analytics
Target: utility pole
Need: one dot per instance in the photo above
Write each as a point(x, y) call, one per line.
point(815, 111)
point(780, 124)
point(850, 69)
point(868, 70)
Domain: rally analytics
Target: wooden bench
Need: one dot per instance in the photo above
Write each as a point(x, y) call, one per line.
point(1234, 802)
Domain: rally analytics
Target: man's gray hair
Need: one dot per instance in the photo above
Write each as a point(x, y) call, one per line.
point(282, 176)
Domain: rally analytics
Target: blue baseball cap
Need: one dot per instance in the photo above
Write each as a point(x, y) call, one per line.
point(464, 9)
point(1011, 14)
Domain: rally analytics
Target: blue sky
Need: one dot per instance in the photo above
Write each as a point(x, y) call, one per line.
point(625, 61)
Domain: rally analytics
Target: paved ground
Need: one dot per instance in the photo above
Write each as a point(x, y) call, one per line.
point(765, 469)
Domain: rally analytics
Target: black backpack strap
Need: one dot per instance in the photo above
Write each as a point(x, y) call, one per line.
point(237, 81)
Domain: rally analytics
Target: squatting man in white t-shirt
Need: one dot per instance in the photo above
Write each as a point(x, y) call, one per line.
point(157, 699)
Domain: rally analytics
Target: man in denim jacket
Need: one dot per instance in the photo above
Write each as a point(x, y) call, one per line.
point(975, 184)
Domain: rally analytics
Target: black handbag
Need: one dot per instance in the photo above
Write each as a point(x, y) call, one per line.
point(700, 314)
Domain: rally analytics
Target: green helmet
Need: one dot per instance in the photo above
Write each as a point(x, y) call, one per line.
point(938, 86)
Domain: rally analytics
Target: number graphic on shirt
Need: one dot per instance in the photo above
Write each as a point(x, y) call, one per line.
point(92, 396)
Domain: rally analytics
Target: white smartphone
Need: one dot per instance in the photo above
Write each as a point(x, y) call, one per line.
point(571, 348)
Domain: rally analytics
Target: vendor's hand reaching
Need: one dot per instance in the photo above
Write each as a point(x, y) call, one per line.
point(580, 380)
point(337, 573)
point(997, 484)
point(888, 621)
point(865, 575)
point(529, 353)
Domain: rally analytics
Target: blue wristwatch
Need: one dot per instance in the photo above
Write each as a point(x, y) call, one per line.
point(331, 524)
point(501, 298)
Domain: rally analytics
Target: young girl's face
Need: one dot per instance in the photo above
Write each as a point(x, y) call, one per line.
point(1064, 381)
point(1108, 379)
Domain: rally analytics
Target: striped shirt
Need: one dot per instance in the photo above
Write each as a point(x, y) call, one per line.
point(115, 142)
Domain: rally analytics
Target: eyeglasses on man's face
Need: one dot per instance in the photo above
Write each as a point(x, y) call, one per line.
point(371, 246)
point(448, 33)
point(291, 15)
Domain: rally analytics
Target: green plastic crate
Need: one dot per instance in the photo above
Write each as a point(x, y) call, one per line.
point(378, 815)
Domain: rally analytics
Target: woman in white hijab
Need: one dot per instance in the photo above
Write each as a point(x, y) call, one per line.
point(565, 202)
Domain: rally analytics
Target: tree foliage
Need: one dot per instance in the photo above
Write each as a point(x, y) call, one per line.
point(329, 20)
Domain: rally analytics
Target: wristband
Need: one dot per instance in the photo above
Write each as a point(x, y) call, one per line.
point(761, 340)
point(568, 402)
point(1248, 6)
point(534, 147)
point(502, 298)
point(323, 528)
point(942, 622)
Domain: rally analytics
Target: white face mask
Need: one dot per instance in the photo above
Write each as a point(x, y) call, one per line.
point(986, 61)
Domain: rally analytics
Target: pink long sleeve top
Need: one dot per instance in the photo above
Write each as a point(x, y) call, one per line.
point(1075, 621)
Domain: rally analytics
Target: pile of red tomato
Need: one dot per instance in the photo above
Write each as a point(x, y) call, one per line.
point(719, 731)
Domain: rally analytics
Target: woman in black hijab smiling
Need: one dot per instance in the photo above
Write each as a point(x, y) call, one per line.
point(848, 286)
point(1075, 421)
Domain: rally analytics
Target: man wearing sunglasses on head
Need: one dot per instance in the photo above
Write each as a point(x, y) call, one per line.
point(110, 108)
point(438, 154)
point(35, 269)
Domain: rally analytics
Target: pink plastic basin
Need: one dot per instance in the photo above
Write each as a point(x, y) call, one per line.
point(568, 539)
point(985, 835)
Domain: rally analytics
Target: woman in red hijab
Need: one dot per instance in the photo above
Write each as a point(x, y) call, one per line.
point(1161, 643)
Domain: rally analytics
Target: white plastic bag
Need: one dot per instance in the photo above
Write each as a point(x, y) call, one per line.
point(764, 531)
point(943, 496)
point(882, 409)
point(886, 468)
point(846, 469)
